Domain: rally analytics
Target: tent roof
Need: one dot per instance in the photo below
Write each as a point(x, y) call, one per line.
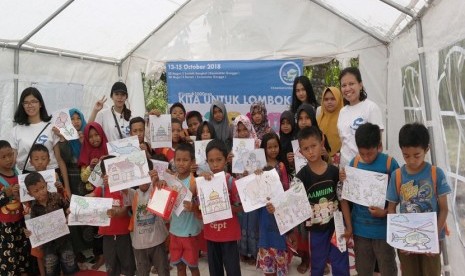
point(110, 30)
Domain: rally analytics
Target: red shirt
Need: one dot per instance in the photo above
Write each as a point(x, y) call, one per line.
point(11, 210)
point(228, 229)
point(118, 225)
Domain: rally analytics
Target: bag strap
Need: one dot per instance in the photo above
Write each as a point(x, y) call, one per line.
point(37, 137)
point(356, 160)
point(388, 165)
point(434, 176)
point(116, 122)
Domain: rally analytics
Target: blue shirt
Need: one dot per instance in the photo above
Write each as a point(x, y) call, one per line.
point(186, 224)
point(363, 223)
point(417, 193)
point(269, 236)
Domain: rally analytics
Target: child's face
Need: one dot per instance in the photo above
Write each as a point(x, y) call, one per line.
point(38, 191)
point(272, 149)
point(286, 126)
point(216, 160)
point(139, 130)
point(257, 116)
point(192, 125)
point(94, 138)
point(414, 157)
point(40, 160)
point(76, 121)
point(176, 132)
point(311, 148)
point(369, 155)
point(7, 158)
point(329, 101)
point(304, 120)
point(242, 131)
point(300, 92)
point(183, 162)
point(178, 114)
point(217, 114)
point(206, 135)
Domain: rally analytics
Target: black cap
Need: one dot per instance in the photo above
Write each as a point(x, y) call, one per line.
point(119, 87)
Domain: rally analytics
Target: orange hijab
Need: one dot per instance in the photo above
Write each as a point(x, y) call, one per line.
point(327, 121)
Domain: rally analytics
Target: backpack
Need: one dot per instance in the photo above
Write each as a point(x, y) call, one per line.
point(388, 163)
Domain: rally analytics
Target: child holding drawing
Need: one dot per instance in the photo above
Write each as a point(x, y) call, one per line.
point(418, 187)
point(58, 254)
point(137, 128)
point(176, 129)
point(222, 236)
point(369, 223)
point(320, 180)
point(117, 248)
point(13, 242)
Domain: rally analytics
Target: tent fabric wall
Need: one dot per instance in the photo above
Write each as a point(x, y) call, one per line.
point(6, 90)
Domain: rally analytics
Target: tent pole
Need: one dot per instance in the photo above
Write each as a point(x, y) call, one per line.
point(428, 122)
point(16, 78)
point(399, 8)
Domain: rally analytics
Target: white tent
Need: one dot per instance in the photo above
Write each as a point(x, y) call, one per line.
point(411, 52)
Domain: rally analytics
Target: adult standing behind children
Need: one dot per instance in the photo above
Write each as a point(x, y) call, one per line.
point(302, 92)
point(34, 127)
point(114, 120)
point(358, 110)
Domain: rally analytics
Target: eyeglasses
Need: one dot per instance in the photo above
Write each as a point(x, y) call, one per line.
point(31, 103)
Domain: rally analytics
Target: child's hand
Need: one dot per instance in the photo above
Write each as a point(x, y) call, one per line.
point(8, 191)
point(105, 180)
point(258, 171)
point(194, 167)
point(111, 212)
point(377, 212)
point(99, 104)
point(347, 233)
point(93, 162)
point(153, 175)
point(229, 158)
point(245, 173)
point(290, 157)
point(269, 207)
point(160, 184)
point(56, 131)
point(292, 240)
point(155, 112)
point(143, 146)
point(27, 233)
point(342, 174)
point(59, 186)
point(187, 205)
point(15, 190)
point(207, 175)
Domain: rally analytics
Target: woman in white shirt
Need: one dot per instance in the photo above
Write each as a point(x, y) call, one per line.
point(114, 120)
point(34, 127)
point(357, 111)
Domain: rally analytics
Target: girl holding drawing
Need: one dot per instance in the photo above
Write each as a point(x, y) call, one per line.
point(287, 133)
point(219, 119)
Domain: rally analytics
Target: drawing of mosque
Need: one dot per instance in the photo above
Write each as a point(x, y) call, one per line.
point(215, 202)
point(162, 134)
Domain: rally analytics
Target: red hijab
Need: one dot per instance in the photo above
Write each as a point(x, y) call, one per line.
point(88, 152)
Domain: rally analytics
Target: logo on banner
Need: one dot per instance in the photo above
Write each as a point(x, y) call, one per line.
point(288, 72)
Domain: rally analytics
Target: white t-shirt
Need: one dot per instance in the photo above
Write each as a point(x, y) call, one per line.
point(350, 118)
point(106, 120)
point(149, 230)
point(23, 139)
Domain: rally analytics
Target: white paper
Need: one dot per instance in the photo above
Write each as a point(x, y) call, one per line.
point(62, 121)
point(127, 171)
point(299, 160)
point(200, 156)
point(95, 177)
point(414, 232)
point(292, 207)
point(214, 198)
point(160, 167)
point(254, 160)
point(240, 148)
point(89, 211)
point(159, 200)
point(160, 131)
point(49, 177)
point(365, 187)
point(339, 229)
point(123, 146)
point(47, 228)
point(255, 190)
point(184, 194)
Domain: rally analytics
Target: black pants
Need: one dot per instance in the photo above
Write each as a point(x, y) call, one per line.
point(223, 254)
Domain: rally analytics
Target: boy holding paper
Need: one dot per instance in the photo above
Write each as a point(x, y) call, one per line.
point(58, 254)
point(369, 223)
point(320, 180)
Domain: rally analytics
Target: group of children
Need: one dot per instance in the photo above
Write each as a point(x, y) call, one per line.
point(249, 236)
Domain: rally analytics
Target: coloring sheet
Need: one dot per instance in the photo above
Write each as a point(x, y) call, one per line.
point(47, 228)
point(89, 211)
point(49, 177)
point(127, 171)
point(160, 167)
point(299, 160)
point(62, 121)
point(214, 198)
point(292, 207)
point(160, 131)
point(184, 194)
point(200, 156)
point(123, 146)
point(365, 187)
point(414, 232)
point(95, 177)
point(254, 160)
point(339, 229)
point(240, 148)
point(255, 189)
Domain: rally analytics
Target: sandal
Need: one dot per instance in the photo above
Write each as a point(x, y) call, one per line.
point(302, 268)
